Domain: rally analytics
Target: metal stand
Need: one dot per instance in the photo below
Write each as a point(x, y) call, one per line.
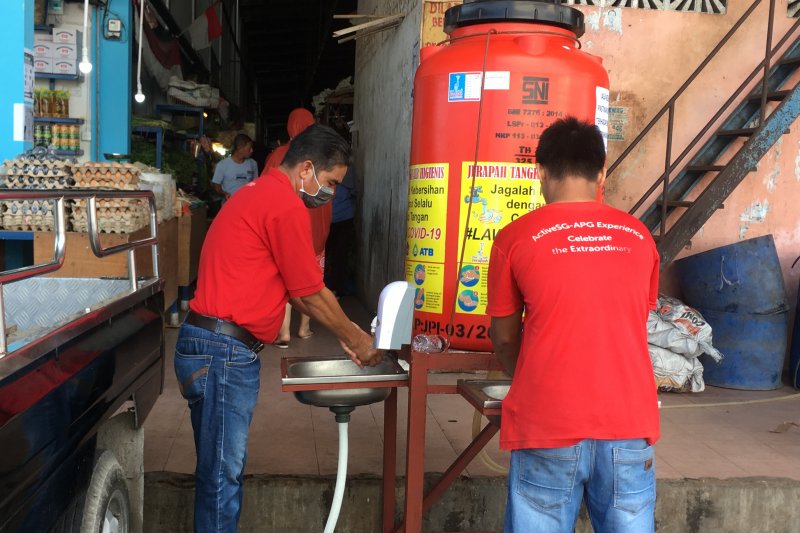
point(418, 390)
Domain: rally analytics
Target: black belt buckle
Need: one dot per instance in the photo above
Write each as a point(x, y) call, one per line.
point(257, 347)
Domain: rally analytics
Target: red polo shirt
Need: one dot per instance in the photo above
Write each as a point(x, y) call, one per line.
point(256, 255)
point(586, 275)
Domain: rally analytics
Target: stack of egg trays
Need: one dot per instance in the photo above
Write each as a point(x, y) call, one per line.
point(37, 170)
point(113, 215)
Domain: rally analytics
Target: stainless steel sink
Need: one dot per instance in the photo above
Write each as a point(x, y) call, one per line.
point(332, 371)
point(483, 393)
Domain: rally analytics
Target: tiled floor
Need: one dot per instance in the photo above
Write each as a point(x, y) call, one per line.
point(718, 433)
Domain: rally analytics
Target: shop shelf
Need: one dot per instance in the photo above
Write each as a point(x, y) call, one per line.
point(57, 76)
point(68, 152)
point(59, 120)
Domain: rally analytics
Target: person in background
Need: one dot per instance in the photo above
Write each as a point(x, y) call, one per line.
point(299, 120)
point(236, 171)
point(338, 271)
point(257, 255)
point(570, 287)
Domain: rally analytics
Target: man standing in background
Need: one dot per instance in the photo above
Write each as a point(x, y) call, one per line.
point(236, 171)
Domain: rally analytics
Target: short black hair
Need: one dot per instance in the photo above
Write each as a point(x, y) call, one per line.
point(571, 147)
point(320, 144)
point(241, 140)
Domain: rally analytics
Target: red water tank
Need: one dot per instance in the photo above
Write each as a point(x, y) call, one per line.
point(481, 101)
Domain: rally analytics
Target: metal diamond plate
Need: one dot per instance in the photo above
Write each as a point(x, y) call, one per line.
point(46, 302)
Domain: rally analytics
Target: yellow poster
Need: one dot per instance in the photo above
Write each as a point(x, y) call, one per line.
point(494, 194)
point(433, 21)
point(428, 282)
point(426, 227)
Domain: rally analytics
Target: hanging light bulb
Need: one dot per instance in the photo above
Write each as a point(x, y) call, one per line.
point(139, 96)
point(85, 65)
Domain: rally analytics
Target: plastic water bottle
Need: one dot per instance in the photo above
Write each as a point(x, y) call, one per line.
point(429, 343)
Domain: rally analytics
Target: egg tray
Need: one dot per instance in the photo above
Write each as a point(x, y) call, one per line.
point(110, 225)
point(117, 175)
point(27, 207)
point(34, 166)
point(21, 222)
point(114, 203)
point(34, 182)
point(120, 185)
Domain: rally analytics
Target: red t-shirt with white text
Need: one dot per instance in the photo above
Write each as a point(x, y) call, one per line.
point(257, 253)
point(586, 275)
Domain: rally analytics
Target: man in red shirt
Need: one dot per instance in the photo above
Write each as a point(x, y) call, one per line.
point(570, 286)
point(257, 256)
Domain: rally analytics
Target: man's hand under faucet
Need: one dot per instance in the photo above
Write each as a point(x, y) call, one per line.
point(365, 354)
point(323, 307)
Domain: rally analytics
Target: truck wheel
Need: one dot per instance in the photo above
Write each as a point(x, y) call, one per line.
point(106, 508)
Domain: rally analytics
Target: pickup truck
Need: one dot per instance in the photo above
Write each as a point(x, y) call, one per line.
point(81, 365)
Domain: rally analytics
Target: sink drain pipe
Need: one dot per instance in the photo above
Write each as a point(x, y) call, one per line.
point(343, 418)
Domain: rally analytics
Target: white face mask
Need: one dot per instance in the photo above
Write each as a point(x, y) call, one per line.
point(319, 198)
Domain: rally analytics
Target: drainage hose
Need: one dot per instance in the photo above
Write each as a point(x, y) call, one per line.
point(341, 476)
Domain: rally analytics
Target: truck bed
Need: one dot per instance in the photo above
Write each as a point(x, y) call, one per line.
point(78, 349)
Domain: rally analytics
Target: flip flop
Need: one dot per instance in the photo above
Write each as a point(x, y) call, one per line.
point(310, 334)
point(281, 344)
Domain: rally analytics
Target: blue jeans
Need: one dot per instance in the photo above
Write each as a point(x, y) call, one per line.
point(616, 478)
point(219, 376)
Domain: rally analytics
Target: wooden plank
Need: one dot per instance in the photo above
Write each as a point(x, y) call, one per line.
point(383, 21)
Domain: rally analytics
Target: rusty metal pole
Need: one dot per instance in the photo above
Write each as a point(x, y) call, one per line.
point(767, 57)
point(667, 161)
point(458, 466)
point(415, 451)
point(389, 460)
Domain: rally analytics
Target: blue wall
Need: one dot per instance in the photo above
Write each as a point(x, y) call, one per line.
point(17, 35)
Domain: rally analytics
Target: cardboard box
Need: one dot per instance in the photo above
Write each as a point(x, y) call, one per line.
point(65, 66)
point(66, 36)
point(80, 261)
point(44, 49)
point(64, 51)
point(43, 64)
point(192, 228)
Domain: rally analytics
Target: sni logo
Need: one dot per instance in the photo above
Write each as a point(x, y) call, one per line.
point(535, 90)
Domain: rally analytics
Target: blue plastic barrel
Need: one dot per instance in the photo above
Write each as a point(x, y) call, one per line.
point(754, 347)
point(744, 277)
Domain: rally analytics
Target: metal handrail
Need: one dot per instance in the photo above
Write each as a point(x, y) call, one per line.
point(713, 119)
point(685, 86)
point(669, 166)
point(59, 252)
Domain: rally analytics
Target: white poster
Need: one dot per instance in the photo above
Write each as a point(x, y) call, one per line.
point(23, 122)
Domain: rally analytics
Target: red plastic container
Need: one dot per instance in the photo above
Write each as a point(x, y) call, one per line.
point(533, 71)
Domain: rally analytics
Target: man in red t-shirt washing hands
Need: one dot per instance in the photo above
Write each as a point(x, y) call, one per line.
point(582, 412)
point(257, 255)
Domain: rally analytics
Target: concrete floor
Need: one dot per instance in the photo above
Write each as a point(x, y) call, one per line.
point(718, 433)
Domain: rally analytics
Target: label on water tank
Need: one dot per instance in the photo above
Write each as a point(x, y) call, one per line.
point(497, 81)
point(601, 113)
point(426, 234)
point(464, 87)
point(492, 195)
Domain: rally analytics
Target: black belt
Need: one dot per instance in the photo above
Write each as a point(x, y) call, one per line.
point(217, 325)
